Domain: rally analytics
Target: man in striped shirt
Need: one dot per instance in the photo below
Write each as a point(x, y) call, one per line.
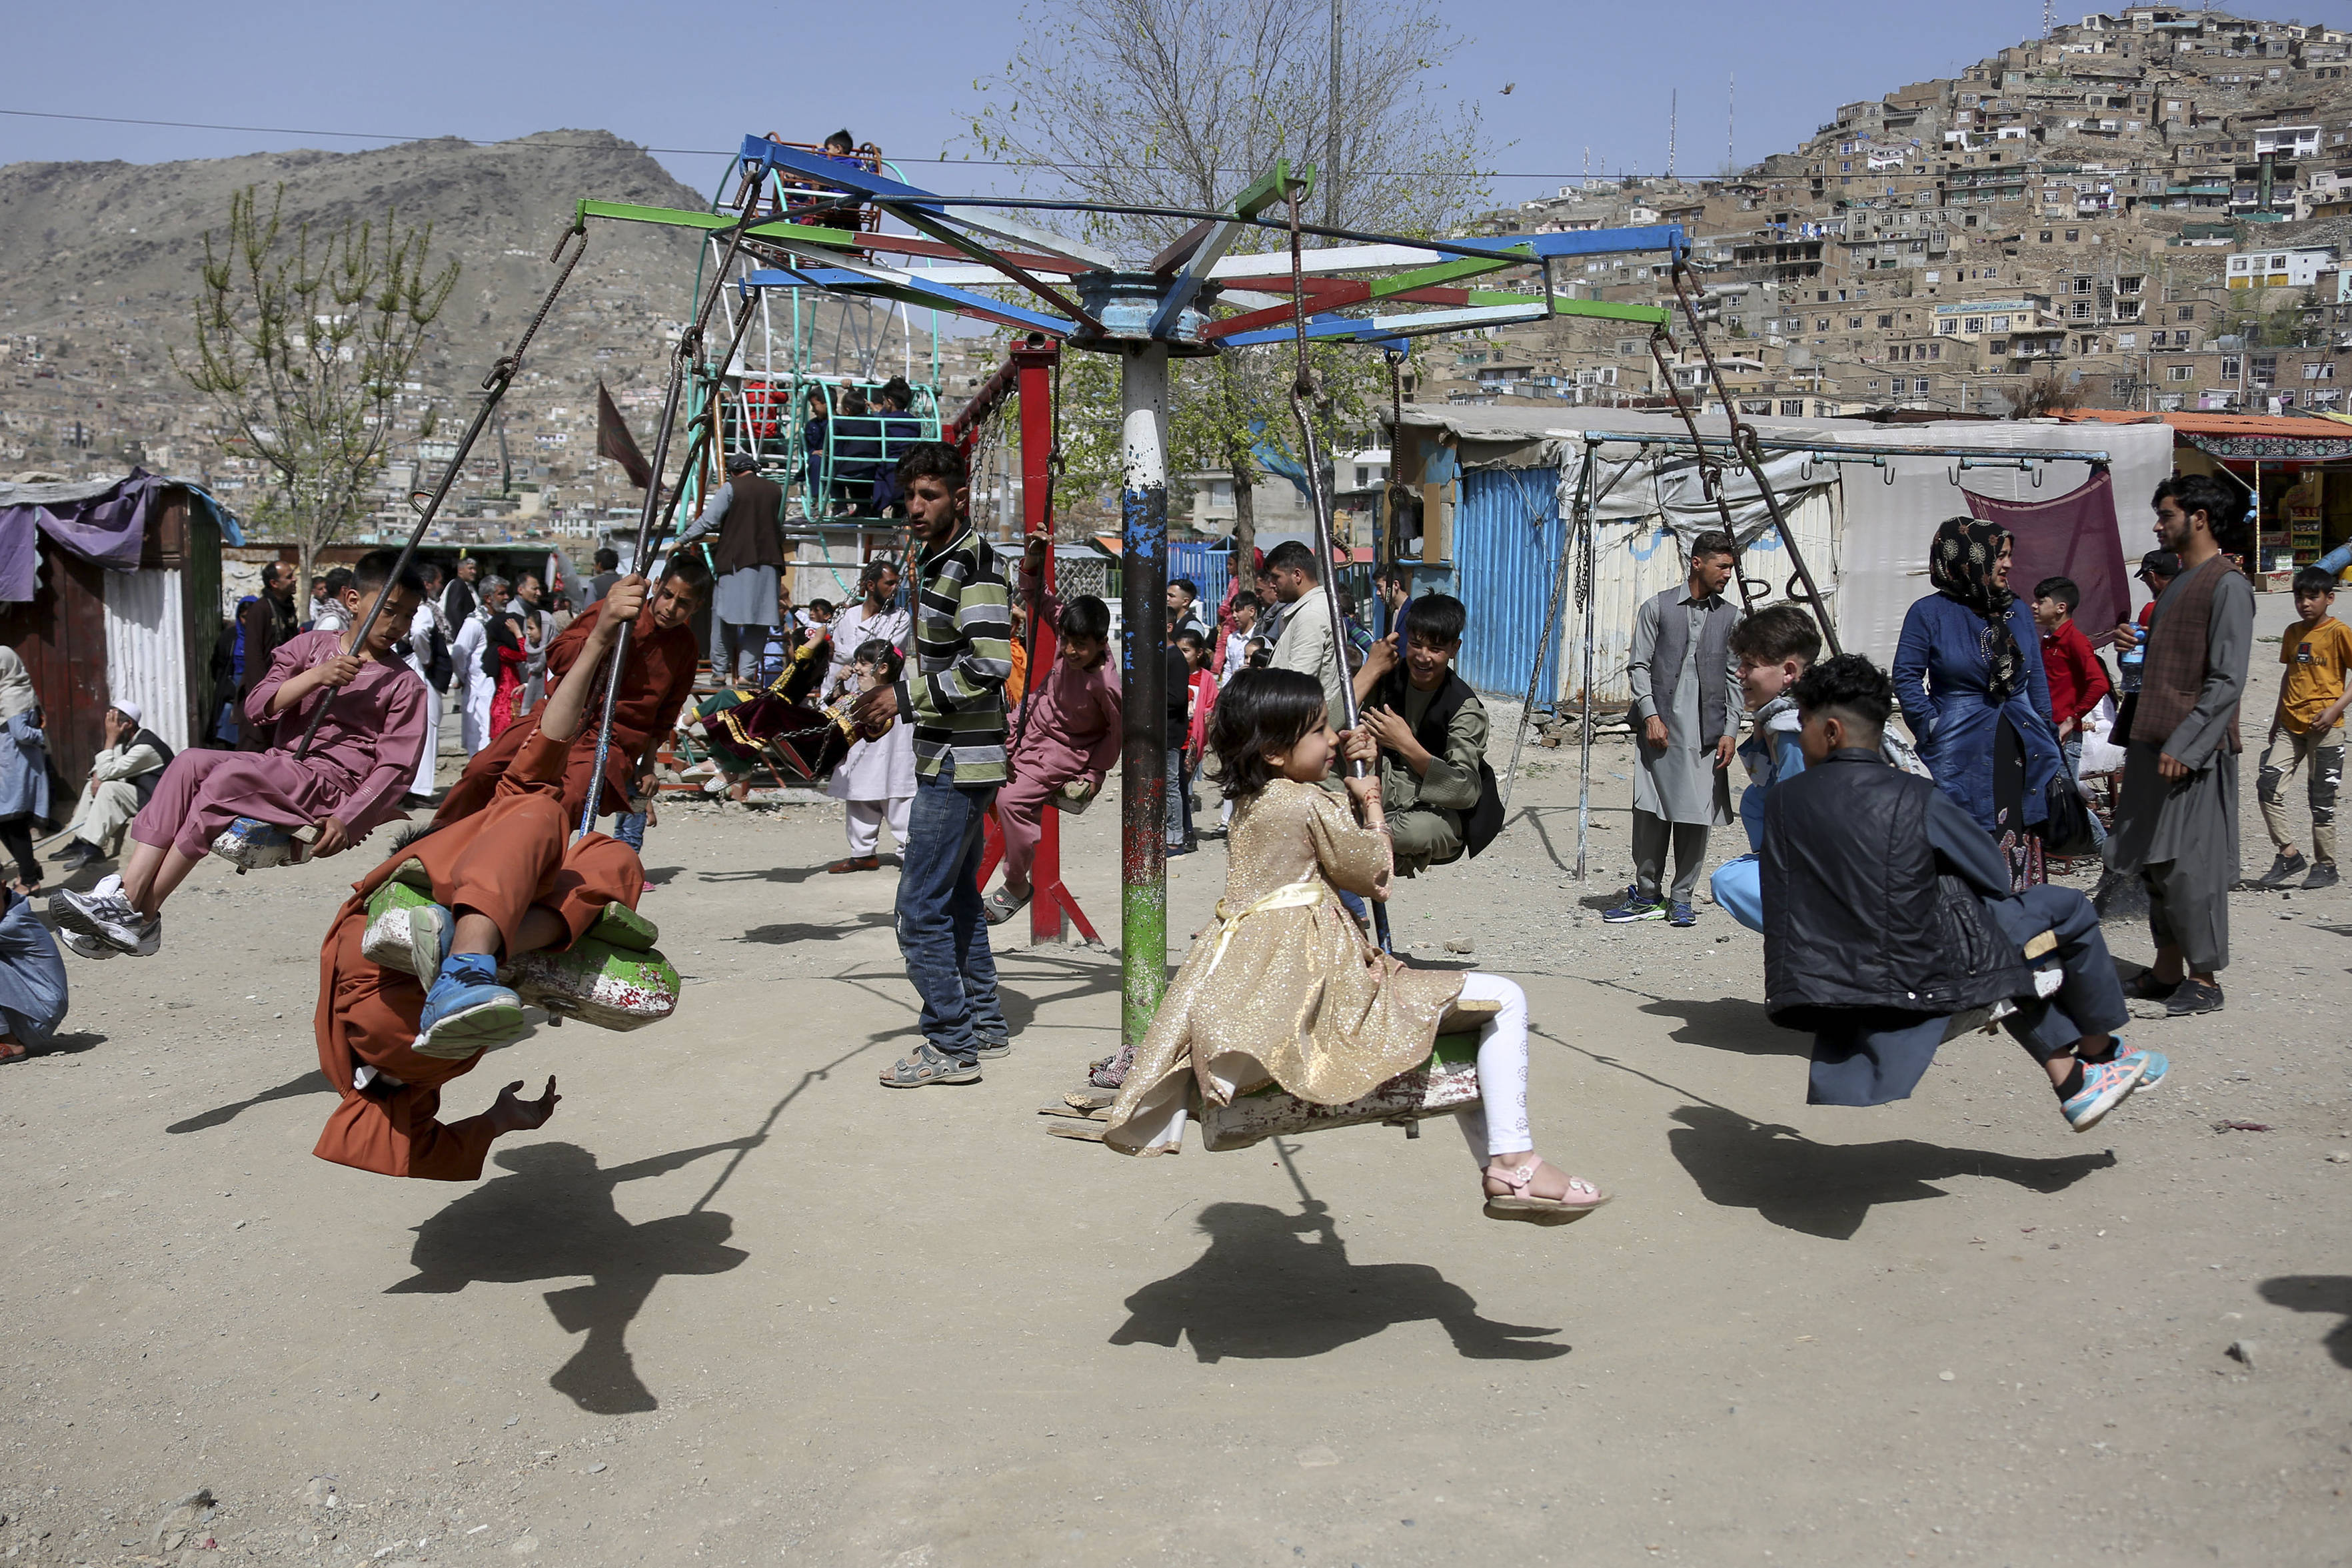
point(954, 694)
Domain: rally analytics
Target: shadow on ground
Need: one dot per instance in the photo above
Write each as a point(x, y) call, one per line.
point(788, 932)
point(1264, 1290)
point(311, 1081)
point(1729, 1023)
point(2317, 1293)
point(554, 1219)
point(1829, 1189)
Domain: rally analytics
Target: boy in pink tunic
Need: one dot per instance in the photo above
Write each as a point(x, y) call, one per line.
point(1068, 728)
point(351, 780)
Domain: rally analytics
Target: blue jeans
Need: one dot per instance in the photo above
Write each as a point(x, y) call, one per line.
point(1739, 889)
point(2072, 749)
point(943, 934)
point(629, 827)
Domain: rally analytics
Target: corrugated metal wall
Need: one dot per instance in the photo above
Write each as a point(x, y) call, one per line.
point(1507, 538)
point(147, 649)
point(1210, 566)
point(1508, 544)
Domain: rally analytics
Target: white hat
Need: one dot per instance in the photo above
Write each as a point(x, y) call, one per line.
point(128, 709)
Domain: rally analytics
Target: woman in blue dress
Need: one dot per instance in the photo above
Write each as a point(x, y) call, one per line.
point(1969, 673)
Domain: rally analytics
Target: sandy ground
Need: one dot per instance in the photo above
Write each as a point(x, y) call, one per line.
point(912, 1330)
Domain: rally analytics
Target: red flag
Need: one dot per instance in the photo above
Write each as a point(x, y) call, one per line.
point(614, 440)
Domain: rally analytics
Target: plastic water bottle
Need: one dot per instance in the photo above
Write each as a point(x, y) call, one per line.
point(2129, 664)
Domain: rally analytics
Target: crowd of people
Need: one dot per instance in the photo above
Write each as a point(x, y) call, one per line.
point(1900, 888)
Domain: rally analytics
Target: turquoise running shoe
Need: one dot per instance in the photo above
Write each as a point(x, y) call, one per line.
point(2155, 1065)
point(2106, 1086)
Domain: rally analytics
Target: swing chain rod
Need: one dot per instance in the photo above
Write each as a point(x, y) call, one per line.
point(1744, 446)
point(1710, 474)
point(494, 388)
point(689, 343)
point(1302, 386)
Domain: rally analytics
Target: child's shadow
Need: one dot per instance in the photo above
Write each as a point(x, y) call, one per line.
point(1264, 1290)
point(555, 1218)
point(1828, 1189)
point(2317, 1293)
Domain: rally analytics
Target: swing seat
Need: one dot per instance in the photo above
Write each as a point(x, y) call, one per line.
point(612, 976)
point(251, 844)
point(1440, 1086)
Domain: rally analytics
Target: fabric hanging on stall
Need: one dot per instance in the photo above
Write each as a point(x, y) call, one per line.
point(103, 521)
point(2074, 536)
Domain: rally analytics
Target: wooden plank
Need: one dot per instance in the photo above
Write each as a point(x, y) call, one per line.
point(1081, 1132)
point(1169, 260)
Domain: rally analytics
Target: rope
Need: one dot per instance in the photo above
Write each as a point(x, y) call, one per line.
point(494, 386)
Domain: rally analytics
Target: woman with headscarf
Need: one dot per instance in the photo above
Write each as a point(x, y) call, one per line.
point(1969, 672)
point(506, 652)
point(24, 768)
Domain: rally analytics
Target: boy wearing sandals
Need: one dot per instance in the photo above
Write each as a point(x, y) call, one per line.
point(1888, 911)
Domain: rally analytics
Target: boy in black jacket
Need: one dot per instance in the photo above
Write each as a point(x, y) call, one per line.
point(1887, 911)
point(1435, 785)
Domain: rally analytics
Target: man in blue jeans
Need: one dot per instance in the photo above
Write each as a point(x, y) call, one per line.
point(953, 692)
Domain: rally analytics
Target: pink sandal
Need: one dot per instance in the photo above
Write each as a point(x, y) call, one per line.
point(1519, 1203)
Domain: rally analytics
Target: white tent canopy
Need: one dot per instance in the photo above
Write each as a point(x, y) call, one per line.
point(1863, 527)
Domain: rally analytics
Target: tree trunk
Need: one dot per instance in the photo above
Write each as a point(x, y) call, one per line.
point(1244, 529)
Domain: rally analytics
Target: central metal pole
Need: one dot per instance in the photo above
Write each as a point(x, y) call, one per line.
point(1144, 660)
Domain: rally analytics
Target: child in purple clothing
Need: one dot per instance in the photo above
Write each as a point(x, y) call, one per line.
point(1067, 733)
point(351, 780)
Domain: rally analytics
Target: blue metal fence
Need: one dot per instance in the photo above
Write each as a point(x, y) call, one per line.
point(1507, 541)
point(1208, 563)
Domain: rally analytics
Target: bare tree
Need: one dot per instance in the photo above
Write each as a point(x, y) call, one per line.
point(1181, 103)
point(302, 343)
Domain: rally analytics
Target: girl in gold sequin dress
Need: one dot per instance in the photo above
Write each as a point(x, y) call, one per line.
point(1285, 986)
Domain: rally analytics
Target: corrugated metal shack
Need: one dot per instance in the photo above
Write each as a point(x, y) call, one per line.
point(90, 634)
point(1498, 487)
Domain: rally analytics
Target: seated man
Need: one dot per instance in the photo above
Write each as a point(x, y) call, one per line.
point(1439, 793)
point(1773, 647)
point(353, 777)
point(503, 884)
point(654, 686)
point(123, 778)
point(1887, 911)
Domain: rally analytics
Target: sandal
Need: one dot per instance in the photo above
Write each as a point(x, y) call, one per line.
point(1518, 1203)
point(928, 1066)
point(1000, 907)
point(10, 1050)
point(854, 863)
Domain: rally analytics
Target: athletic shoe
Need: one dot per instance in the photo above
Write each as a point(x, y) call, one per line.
point(86, 946)
point(2193, 998)
point(2154, 1065)
point(2322, 875)
point(108, 917)
point(2145, 986)
point(1683, 915)
point(2285, 869)
point(1634, 907)
point(2105, 1087)
point(463, 1017)
point(80, 854)
point(990, 1050)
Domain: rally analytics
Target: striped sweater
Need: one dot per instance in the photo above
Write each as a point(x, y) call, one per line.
point(954, 686)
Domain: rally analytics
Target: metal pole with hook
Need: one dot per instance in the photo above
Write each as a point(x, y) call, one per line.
point(494, 388)
point(681, 362)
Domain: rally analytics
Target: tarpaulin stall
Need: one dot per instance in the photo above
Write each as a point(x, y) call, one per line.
point(1497, 517)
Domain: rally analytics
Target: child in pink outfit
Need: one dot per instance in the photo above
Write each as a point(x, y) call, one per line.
point(1068, 728)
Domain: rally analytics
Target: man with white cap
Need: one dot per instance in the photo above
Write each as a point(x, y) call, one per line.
point(121, 781)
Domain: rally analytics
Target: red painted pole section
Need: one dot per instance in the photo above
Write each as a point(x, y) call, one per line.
point(1034, 367)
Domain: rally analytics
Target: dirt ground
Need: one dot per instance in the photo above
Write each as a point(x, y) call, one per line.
point(738, 1304)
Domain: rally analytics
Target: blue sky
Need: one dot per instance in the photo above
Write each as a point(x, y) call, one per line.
point(1586, 75)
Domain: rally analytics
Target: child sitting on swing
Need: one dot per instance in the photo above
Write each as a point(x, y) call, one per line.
point(1286, 988)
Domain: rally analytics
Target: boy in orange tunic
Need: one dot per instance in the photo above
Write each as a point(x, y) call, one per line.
point(504, 883)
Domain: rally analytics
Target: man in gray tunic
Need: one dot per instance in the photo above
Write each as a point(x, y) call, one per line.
point(1683, 675)
point(748, 513)
point(2177, 819)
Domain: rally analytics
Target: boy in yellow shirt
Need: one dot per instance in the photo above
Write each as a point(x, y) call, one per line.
point(2312, 700)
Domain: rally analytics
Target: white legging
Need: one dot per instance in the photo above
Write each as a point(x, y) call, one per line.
point(1497, 1124)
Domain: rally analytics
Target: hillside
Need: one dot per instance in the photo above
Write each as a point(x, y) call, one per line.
point(99, 269)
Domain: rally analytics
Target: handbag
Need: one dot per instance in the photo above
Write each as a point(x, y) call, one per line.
point(2068, 833)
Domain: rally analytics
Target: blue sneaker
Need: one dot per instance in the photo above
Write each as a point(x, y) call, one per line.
point(467, 1012)
point(2106, 1086)
point(1634, 907)
point(2155, 1065)
point(1683, 915)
